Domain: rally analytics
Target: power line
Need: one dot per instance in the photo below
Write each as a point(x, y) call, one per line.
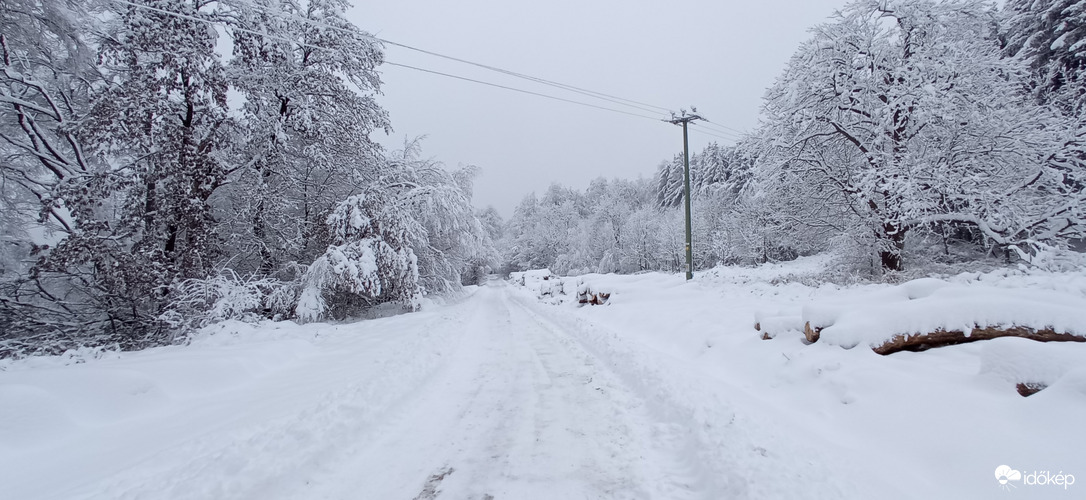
point(725, 127)
point(714, 134)
point(591, 93)
point(212, 23)
point(695, 129)
point(519, 90)
point(721, 130)
point(713, 130)
point(390, 63)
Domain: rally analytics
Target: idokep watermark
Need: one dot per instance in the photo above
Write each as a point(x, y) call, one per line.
point(1009, 478)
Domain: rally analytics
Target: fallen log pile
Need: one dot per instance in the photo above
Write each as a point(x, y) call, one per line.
point(587, 296)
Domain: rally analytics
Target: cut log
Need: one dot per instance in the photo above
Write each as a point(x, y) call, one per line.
point(812, 334)
point(1027, 389)
point(585, 296)
point(940, 338)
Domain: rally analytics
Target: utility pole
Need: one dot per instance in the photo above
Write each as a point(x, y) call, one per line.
point(684, 119)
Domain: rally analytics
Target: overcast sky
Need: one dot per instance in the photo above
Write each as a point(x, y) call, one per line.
point(719, 56)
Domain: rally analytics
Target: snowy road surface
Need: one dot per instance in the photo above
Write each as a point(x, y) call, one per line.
point(495, 397)
point(483, 399)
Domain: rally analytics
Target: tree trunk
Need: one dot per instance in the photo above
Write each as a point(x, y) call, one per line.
point(941, 338)
point(895, 238)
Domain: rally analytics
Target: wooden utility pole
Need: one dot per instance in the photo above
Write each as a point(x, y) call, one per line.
point(684, 119)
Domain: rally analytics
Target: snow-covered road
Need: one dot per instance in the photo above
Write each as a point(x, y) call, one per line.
point(488, 398)
point(500, 396)
point(517, 410)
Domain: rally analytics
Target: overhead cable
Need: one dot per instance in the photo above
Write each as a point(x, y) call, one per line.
point(390, 63)
point(591, 93)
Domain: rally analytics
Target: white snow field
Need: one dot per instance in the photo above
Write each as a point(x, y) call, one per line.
point(667, 391)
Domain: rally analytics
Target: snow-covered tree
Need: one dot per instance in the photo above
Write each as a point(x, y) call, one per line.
point(164, 115)
point(492, 222)
point(715, 170)
point(450, 241)
point(1050, 35)
point(309, 89)
point(671, 183)
point(544, 231)
point(369, 261)
point(614, 226)
point(47, 73)
point(890, 107)
point(55, 188)
point(147, 191)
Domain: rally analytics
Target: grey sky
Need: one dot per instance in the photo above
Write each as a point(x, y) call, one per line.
point(719, 56)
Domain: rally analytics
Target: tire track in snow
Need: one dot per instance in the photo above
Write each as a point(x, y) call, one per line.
point(519, 412)
point(646, 463)
point(270, 457)
point(733, 455)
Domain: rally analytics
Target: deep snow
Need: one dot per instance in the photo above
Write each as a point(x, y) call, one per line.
point(667, 391)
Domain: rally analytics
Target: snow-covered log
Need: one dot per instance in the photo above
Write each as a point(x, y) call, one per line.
point(942, 338)
point(931, 312)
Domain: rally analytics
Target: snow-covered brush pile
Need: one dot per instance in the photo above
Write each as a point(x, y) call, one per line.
point(547, 286)
point(933, 312)
point(585, 295)
point(553, 289)
point(532, 280)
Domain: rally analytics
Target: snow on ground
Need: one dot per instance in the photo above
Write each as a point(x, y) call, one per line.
point(667, 391)
point(933, 424)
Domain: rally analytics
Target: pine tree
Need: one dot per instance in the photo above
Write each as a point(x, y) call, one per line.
point(1050, 35)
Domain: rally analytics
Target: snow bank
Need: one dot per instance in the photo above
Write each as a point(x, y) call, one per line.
point(948, 416)
point(242, 411)
point(532, 278)
point(772, 324)
point(927, 305)
point(1024, 361)
point(801, 269)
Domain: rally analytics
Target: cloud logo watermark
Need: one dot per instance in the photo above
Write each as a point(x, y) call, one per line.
point(1005, 474)
point(1008, 476)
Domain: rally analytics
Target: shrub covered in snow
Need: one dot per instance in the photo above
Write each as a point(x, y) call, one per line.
point(200, 302)
point(367, 263)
